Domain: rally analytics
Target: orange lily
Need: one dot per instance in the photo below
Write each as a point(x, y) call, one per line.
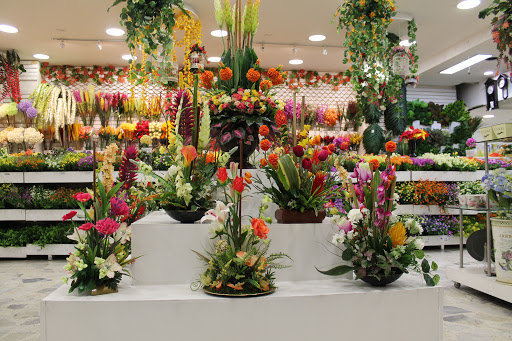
point(190, 153)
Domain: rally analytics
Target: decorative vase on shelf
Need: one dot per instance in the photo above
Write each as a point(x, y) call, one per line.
point(383, 281)
point(502, 239)
point(296, 217)
point(184, 216)
point(251, 142)
point(412, 148)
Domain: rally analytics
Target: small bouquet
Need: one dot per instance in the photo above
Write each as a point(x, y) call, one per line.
point(238, 263)
point(412, 133)
point(372, 240)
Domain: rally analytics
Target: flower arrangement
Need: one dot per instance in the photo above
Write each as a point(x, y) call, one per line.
point(374, 242)
point(470, 143)
point(10, 70)
point(238, 262)
point(498, 185)
point(103, 250)
point(412, 133)
point(501, 28)
point(471, 187)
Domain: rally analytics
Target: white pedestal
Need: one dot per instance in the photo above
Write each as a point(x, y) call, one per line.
point(298, 311)
point(166, 257)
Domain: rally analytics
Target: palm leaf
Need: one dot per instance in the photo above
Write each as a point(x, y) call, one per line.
point(373, 139)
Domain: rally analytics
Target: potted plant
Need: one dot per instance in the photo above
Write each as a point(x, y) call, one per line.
point(378, 247)
point(471, 194)
point(470, 147)
point(498, 185)
point(238, 263)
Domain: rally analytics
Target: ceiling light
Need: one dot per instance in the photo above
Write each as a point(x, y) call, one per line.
point(296, 61)
point(128, 57)
point(488, 116)
point(465, 64)
point(317, 37)
point(41, 56)
point(219, 33)
point(116, 32)
point(324, 51)
point(214, 59)
point(468, 4)
point(407, 43)
point(8, 29)
point(489, 73)
point(99, 45)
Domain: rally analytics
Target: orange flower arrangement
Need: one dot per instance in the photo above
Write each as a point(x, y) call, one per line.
point(265, 85)
point(207, 79)
point(253, 75)
point(281, 118)
point(225, 73)
point(273, 159)
point(210, 157)
point(331, 117)
point(265, 145)
point(273, 73)
point(390, 146)
point(264, 131)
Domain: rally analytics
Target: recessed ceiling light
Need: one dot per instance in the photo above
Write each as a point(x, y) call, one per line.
point(317, 37)
point(214, 59)
point(219, 33)
point(128, 57)
point(8, 29)
point(116, 32)
point(468, 4)
point(488, 116)
point(489, 73)
point(41, 56)
point(465, 64)
point(407, 43)
point(296, 61)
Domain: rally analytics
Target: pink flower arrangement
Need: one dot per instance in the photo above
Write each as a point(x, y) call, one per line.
point(107, 226)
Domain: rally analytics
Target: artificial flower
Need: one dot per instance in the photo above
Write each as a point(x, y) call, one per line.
point(222, 175)
point(398, 234)
point(263, 130)
point(86, 227)
point(273, 159)
point(265, 145)
point(259, 228)
point(390, 146)
point(83, 197)
point(238, 184)
point(307, 163)
point(298, 151)
point(107, 226)
point(263, 162)
point(69, 215)
point(119, 207)
point(109, 267)
point(190, 153)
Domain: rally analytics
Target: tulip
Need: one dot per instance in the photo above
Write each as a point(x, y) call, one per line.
point(323, 155)
point(307, 163)
point(298, 151)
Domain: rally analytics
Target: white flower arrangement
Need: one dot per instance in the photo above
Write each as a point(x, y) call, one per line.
point(15, 135)
point(32, 136)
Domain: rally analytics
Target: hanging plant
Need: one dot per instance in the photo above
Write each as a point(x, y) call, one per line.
point(367, 48)
point(149, 26)
point(10, 69)
point(501, 28)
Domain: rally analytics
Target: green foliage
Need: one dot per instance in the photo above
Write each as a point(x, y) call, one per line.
point(373, 139)
point(35, 234)
point(418, 110)
point(456, 111)
point(394, 119)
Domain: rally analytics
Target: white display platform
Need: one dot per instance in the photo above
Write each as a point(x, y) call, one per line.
point(475, 277)
point(166, 257)
point(300, 311)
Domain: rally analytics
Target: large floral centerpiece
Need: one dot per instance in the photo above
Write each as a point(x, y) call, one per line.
point(238, 262)
point(373, 241)
point(299, 179)
point(189, 182)
point(104, 240)
point(239, 99)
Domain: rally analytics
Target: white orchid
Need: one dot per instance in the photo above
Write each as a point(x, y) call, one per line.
point(217, 215)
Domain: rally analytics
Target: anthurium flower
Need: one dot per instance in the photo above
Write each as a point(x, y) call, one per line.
point(241, 254)
point(251, 261)
point(222, 175)
point(190, 153)
point(69, 215)
point(264, 285)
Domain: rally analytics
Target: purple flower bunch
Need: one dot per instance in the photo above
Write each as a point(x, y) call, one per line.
point(26, 107)
point(471, 143)
point(320, 111)
point(339, 140)
point(288, 109)
point(85, 163)
point(446, 225)
point(452, 196)
point(421, 162)
point(501, 163)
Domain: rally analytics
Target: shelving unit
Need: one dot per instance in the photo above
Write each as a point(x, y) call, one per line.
point(470, 276)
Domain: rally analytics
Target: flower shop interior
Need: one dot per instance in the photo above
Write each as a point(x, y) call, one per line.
point(336, 167)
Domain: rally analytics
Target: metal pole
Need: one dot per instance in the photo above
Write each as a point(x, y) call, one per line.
point(488, 214)
point(461, 245)
point(294, 120)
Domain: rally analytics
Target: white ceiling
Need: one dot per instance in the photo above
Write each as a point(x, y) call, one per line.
point(446, 35)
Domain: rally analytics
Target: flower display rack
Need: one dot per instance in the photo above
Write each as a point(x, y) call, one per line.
point(35, 250)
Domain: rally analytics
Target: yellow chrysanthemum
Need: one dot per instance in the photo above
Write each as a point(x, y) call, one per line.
point(397, 234)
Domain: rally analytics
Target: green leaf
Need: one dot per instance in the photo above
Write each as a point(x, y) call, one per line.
point(434, 266)
point(336, 271)
point(373, 139)
point(428, 280)
point(347, 255)
point(420, 254)
point(425, 267)
point(436, 279)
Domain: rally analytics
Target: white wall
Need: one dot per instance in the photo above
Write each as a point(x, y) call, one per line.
point(437, 94)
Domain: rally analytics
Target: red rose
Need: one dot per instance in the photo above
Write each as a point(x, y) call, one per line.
point(307, 163)
point(298, 151)
point(222, 175)
point(238, 184)
point(69, 215)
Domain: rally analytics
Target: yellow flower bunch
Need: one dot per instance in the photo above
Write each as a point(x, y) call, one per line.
point(191, 35)
point(128, 130)
point(355, 138)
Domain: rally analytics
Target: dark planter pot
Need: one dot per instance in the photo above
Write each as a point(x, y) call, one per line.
point(248, 149)
point(412, 148)
point(296, 217)
point(186, 217)
point(383, 281)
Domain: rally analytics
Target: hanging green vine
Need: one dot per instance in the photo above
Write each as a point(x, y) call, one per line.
point(149, 25)
point(501, 28)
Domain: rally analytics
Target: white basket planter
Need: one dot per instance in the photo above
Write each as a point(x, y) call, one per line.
point(11, 177)
point(12, 214)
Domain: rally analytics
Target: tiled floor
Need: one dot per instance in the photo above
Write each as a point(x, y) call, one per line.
point(468, 314)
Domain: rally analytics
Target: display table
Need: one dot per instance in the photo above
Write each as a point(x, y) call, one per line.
point(166, 257)
point(305, 310)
